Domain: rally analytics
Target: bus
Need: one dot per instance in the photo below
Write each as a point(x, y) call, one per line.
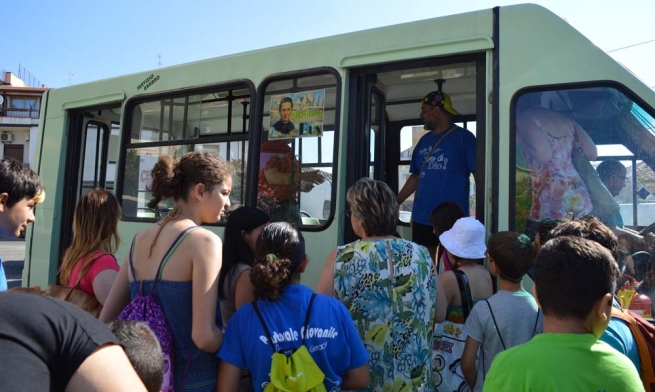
point(356, 100)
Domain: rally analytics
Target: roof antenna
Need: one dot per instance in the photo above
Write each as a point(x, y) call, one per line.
point(440, 83)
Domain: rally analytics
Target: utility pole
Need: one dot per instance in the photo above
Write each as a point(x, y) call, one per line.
point(69, 77)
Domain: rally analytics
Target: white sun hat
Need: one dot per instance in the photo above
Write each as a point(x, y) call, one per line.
point(465, 239)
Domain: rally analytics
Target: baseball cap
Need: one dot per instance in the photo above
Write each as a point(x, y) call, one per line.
point(439, 98)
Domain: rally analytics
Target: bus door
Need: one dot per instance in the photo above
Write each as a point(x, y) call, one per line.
point(367, 134)
point(91, 155)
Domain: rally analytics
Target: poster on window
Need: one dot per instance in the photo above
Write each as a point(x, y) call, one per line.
point(297, 115)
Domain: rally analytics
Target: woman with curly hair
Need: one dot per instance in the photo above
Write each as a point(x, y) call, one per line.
point(287, 315)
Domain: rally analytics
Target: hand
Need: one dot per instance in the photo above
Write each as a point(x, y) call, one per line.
point(315, 177)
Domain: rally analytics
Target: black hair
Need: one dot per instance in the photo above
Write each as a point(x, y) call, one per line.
point(444, 216)
point(609, 167)
point(143, 350)
point(572, 274)
point(18, 181)
point(591, 228)
point(235, 248)
point(280, 251)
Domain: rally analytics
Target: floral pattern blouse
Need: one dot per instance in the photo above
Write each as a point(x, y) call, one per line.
point(394, 316)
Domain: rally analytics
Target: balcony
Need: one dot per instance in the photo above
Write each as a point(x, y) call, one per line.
point(19, 113)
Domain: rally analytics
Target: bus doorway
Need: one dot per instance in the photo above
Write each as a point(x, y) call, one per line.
point(385, 117)
point(92, 152)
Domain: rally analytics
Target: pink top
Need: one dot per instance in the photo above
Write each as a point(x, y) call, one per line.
point(104, 262)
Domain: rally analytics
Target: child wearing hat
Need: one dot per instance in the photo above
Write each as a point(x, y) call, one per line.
point(465, 284)
point(508, 318)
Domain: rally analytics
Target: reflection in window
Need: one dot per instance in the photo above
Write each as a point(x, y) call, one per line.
point(214, 121)
point(555, 129)
point(296, 161)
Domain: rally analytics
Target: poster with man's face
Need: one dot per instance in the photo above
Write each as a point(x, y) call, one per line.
point(297, 115)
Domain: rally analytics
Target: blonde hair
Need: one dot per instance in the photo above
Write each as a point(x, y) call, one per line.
point(95, 228)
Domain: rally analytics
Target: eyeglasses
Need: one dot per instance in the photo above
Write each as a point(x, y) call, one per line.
point(622, 178)
point(348, 213)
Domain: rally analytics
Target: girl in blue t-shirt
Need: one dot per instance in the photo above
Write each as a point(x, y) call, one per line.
point(329, 333)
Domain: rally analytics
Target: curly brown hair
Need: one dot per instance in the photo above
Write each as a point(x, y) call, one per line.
point(172, 179)
point(280, 251)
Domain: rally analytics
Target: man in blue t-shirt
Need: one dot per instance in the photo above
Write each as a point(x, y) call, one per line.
point(441, 164)
point(21, 190)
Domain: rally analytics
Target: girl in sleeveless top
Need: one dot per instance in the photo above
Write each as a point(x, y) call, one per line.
point(187, 291)
point(443, 217)
point(89, 263)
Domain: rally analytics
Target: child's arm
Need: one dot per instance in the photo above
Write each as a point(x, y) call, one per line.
point(468, 361)
point(356, 378)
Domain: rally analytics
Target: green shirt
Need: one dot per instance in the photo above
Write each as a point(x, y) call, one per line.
point(563, 362)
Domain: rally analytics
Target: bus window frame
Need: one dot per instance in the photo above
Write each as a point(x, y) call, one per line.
point(554, 87)
point(126, 129)
point(258, 130)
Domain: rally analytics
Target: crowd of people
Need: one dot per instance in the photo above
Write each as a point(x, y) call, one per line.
point(188, 310)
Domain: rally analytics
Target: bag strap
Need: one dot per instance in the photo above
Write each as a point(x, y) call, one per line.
point(536, 322)
point(464, 292)
point(309, 311)
point(261, 320)
point(268, 334)
point(496, 325)
point(131, 262)
point(449, 130)
point(171, 250)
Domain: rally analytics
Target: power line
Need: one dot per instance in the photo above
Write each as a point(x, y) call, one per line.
point(630, 46)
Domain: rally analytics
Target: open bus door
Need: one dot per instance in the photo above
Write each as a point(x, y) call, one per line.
point(367, 134)
point(87, 163)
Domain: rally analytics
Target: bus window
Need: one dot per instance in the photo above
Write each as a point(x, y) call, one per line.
point(214, 120)
point(298, 146)
point(612, 131)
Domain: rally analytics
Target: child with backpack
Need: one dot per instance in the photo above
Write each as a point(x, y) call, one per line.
point(170, 277)
point(290, 338)
point(508, 318)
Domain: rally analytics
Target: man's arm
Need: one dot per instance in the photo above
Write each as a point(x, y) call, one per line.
point(408, 189)
point(99, 371)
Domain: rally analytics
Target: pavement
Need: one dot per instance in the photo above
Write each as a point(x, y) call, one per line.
point(13, 258)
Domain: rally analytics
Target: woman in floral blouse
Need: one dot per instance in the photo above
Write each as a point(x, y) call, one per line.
point(389, 286)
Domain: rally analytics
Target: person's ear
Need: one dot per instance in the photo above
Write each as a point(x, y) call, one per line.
point(3, 201)
point(198, 191)
point(603, 307)
point(303, 264)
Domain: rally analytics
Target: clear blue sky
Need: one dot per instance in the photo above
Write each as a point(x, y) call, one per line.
point(101, 39)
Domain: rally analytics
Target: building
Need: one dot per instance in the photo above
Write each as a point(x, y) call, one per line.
point(19, 117)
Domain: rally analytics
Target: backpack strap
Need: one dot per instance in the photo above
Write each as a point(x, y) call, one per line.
point(496, 325)
point(536, 322)
point(309, 311)
point(464, 292)
point(171, 250)
point(268, 334)
point(131, 257)
point(261, 320)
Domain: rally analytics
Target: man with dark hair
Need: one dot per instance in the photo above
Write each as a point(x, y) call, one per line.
point(441, 165)
point(20, 191)
point(617, 334)
point(284, 125)
point(143, 351)
point(614, 175)
point(51, 345)
point(574, 282)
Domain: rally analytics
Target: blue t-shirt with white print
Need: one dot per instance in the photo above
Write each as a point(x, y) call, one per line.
point(333, 341)
point(445, 175)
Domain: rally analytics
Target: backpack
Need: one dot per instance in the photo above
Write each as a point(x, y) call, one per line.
point(644, 334)
point(297, 372)
point(145, 308)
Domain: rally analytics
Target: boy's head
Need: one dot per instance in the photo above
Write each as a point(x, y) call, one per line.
point(574, 280)
point(590, 228)
point(21, 190)
point(510, 255)
point(544, 229)
point(143, 350)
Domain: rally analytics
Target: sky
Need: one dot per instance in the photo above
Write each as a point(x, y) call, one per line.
point(73, 41)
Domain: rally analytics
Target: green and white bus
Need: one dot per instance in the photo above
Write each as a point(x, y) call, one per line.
point(368, 86)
